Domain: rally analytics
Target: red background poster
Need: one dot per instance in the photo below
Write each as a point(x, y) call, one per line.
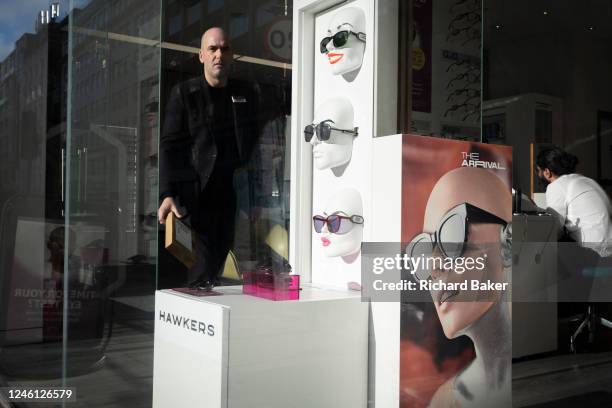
point(427, 357)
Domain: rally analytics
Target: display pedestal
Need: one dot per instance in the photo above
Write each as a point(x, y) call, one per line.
point(237, 350)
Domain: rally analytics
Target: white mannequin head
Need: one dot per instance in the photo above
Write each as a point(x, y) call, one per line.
point(347, 203)
point(349, 57)
point(338, 149)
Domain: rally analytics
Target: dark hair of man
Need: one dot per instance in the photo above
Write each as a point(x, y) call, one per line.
point(557, 161)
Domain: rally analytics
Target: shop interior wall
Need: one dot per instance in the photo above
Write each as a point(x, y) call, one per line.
point(564, 64)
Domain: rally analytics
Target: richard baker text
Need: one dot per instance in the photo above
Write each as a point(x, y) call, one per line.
point(472, 285)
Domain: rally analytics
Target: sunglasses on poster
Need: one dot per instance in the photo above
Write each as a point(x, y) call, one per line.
point(339, 40)
point(451, 235)
point(323, 131)
point(336, 224)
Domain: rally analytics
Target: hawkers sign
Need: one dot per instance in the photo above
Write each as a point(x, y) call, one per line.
point(191, 337)
point(186, 323)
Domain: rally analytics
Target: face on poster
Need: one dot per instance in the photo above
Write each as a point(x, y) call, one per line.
point(457, 203)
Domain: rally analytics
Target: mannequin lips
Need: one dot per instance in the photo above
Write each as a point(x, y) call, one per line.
point(326, 242)
point(334, 57)
point(444, 297)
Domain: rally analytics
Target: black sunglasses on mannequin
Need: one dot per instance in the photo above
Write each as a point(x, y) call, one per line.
point(323, 131)
point(339, 39)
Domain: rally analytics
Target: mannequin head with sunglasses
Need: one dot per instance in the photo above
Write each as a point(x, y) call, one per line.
point(471, 209)
point(340, 226)
point(345, 40)
point(334, 123)
point(489, 214)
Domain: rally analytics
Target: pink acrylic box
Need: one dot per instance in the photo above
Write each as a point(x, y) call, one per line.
point(272, 286)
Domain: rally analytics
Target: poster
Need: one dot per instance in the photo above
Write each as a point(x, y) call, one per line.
point(456, 351)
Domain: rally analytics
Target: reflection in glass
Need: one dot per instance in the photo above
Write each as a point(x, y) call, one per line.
point(262, 186)
point(79, 124)
point(112, 188)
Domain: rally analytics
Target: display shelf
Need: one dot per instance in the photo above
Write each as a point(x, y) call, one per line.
point(238, 351)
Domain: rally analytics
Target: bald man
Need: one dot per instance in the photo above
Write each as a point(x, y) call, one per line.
point(209, 129)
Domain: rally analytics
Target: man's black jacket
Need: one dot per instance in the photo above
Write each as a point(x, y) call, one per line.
point(187, 150)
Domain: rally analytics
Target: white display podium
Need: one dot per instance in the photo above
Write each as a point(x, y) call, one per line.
point(239, 351)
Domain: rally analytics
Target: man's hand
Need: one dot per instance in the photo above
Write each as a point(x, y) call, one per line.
point(166, 206)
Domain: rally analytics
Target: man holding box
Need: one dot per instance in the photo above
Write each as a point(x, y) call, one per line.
point(209, 130)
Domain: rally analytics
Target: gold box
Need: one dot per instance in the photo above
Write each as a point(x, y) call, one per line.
point(179, 240)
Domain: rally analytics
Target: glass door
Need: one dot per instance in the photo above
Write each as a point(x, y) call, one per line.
point(110, 275)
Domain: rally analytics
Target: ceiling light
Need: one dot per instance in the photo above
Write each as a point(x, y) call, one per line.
point(545, 12)
point(498, 26)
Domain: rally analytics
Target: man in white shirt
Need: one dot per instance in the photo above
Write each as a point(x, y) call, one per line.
point(582, 206)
